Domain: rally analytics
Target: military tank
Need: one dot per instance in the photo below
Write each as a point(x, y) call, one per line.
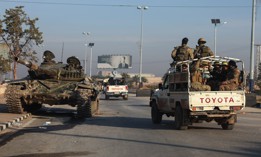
point(54, 84)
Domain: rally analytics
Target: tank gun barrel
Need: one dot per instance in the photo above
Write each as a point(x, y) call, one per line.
point(28, 64)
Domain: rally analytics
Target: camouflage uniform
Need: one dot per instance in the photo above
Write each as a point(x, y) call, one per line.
point(197, 81)
point(202, 50)
point(216, 76)
point(232, 81)
point(183, 52)
point(224, 71)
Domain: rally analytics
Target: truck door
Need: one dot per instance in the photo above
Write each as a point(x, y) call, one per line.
point(163, 101)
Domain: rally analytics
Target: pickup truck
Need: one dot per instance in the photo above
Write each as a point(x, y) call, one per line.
point(176, 98)
point(116, 88)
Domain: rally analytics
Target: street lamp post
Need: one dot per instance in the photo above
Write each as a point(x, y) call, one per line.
point(85, 58)
point(215, 22)
point(141, 8)
point(91, 45)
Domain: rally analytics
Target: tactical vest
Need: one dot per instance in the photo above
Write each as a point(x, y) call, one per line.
point(204, 51)
point(182, 53)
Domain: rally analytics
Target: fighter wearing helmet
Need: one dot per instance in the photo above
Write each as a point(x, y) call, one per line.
point(224, 71)
point(183, 52)
point(48, 57)
point(199, 76)
point(232, 78)
point(202, 50)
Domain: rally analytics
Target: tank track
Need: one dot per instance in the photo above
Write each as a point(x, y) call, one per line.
point(85, 107)
point(13, 99)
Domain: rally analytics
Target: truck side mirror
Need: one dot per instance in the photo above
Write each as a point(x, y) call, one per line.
point(160, 86)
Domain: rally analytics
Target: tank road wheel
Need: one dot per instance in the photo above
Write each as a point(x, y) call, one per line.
point(180, 118)
point(85, 106)
point(95, 105)
point(13, 99)
point(156, 116)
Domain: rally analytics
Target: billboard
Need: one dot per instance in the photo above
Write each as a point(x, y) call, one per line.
point(114, 61)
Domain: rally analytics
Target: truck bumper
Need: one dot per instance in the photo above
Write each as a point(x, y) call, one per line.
point(116, 94)
point(212, 115)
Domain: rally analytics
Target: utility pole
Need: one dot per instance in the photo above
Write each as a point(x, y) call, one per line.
point(252, 56)
point(258, 59)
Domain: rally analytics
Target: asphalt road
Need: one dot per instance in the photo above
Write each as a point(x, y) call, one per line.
point(124, 129)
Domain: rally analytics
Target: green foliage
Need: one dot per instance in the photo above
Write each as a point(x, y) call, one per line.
point(136, 79)
point(4, 65)
point(125, 75)
point(144, 79)
point(19, 33)
point(259, 72)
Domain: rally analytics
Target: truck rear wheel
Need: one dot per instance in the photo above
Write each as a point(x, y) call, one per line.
point(125, 97)
point(156, 116)
point(226, 126)
point(107, 97)
point(180, 117)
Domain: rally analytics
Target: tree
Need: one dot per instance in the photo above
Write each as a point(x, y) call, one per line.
point(19, 33)
point(4, 65)
point(125, 75)
point(259, 72)
point(136, 79)
point(144, 80)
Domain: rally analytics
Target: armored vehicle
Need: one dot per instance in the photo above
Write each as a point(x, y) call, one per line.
point(54, 84)
point(177, 97)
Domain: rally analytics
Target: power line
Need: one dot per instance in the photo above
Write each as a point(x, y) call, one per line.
point(124, 5)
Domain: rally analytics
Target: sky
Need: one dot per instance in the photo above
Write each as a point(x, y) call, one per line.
point(115, 28)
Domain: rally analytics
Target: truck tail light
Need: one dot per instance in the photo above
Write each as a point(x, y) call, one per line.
point(126, 87)
point(235, 108)
point(197, 108)
point(107, 88)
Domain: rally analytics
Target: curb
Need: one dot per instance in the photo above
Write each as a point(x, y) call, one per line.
point(12, 122)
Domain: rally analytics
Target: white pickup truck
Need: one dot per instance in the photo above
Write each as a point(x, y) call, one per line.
point(116, 88)
point(176, 98)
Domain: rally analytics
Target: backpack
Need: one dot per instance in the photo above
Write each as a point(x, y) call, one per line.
point(182, 53)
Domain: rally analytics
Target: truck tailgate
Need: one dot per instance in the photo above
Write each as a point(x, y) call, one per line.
point(223, 100)
point(117, 88)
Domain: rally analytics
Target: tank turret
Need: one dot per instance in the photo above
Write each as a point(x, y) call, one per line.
point(71, 71)
point(38, 72)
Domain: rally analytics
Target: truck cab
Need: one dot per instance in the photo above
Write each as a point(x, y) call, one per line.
point(175, 97)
